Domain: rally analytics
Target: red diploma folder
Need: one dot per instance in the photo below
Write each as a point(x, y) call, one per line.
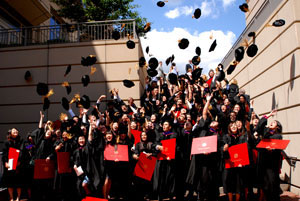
point(238, 156)
point(119, 153)
point(43, 169)
point(93, 199)
point(145, 167)
point(168, 149)
point(13, 156)
point(63, 162)
point(137, 136)
point(273, 144)
point(203, 145)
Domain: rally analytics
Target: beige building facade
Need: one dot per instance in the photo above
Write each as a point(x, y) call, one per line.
point(271, 77)
point(30, 42)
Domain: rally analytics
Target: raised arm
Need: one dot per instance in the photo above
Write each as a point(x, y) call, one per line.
point(205, 109)
point(41, 119)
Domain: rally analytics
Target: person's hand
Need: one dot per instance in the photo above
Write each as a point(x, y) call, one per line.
point(208, 97)
point(252, 102)
point(160, 148)
point(148, 155)
point(274, 112)
point(117, 91)
point(7, 165)
point(41, 114)
point(135, 157)
point(116, 160)
point(225, 148)
point(48, 159)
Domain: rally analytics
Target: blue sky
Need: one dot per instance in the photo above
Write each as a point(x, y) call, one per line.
point(221, 19)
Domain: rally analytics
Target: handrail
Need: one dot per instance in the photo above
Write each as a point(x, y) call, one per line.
point(66, 33)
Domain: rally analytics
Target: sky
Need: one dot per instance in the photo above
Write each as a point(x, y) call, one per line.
point(220, 19)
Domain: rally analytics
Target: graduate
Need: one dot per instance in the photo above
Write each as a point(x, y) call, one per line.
point(12, 178)
point(269, 160)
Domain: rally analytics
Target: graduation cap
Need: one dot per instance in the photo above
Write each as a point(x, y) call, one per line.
point(27, 76)
point(153, 63)
point(168, 60)
point(213, 46)
point(42, 89)
point(142, 62)
point(244, 7)
point(89, 60)
point(152, 72)
point(183, 43)
point(68, 70)
point(198, 51)
point(65, 103)
point(239, 53)
point(85, 101)
point(46, 104)
point(85, 80)
point(231, 67)
point(67, 86)
point(161, 3)
point(173, 78)
point(130, 44)
point(116, 35)
point(196, 60)
point(252, 49)
point(128, 83)
point(147, 49)
point(278, 23)
point(220, 75)
point(147, 27)
point(172, 58)
point(197, 13)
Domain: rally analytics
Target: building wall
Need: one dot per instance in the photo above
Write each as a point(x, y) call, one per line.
point(20, 104)
point(272, 76)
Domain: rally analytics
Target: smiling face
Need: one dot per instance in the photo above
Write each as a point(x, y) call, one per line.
point(233, 128)
point(143, 137)
point(273, 125)
point(109, 137)
point(14, 133)
point(81, 141)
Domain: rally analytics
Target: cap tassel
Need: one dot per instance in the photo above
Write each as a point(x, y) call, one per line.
point(63, 116)
point(122, 27)
point(75, 98)
point(50, 93)
point(93, 70)
point(245, 43)
point(129, 70)
point(136, 67)
point(147, 26)
point(65, 84)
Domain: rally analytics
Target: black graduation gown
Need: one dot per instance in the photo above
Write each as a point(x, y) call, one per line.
point(13, 178)
point(65, 182)
point(269, 165)
point(234, 178)
point(203, 170)
point(83, 157)
point(164, 176)
point(141, 186)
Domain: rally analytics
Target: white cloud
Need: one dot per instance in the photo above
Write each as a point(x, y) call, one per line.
point(208, 8)
point(173, 13)
point(163, 44)
point(227, 3)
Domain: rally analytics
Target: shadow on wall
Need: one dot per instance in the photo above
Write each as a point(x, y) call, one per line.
point(292, 76)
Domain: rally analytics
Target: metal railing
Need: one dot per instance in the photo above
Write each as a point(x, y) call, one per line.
point(66, 33)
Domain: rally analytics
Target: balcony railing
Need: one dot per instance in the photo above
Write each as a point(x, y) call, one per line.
point(66, 33)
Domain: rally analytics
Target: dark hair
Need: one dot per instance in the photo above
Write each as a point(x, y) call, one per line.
point(279, 127)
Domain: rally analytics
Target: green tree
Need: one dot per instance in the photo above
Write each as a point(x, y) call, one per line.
point(99, 10)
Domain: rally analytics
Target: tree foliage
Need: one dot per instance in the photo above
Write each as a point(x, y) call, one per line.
point(98, 10)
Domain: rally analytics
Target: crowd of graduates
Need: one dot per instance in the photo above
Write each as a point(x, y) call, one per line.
point(181, 107)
